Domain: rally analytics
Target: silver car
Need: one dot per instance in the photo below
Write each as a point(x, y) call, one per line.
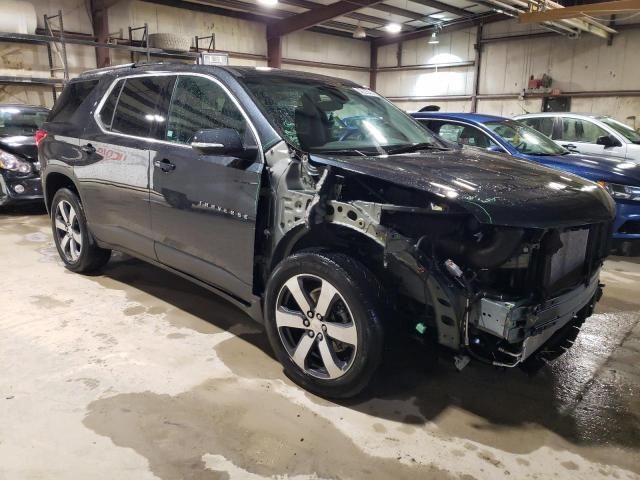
point(587, 133)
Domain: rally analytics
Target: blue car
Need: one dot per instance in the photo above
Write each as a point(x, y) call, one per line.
point(620, 178)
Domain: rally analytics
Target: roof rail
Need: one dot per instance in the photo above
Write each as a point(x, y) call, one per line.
point(108, 69)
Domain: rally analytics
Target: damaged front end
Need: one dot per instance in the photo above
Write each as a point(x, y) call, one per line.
point(502, 294)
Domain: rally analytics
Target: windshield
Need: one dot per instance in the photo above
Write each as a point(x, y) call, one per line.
point(525, 139)
point(318, 116)
point(17, 122)
point(624, 130)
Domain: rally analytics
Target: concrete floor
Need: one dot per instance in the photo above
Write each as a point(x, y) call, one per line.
point(137, 374)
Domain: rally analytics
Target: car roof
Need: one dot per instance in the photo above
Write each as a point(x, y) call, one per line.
point(238, 72)
point(563, 114)
point(469, 117)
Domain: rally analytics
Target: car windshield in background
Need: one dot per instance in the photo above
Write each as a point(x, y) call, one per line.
point(625, 130)
point(332, 118)
point(15, 121)
point(525, 139)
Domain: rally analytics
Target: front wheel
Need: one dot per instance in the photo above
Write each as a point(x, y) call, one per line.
point(324, 323)
point(76, 246)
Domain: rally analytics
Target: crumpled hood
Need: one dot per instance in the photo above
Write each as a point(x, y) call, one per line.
point(496, 188)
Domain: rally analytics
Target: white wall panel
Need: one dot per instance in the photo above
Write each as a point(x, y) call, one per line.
point(454, 106)
point(508, 107)
point(319, 47)
point(361, 78)
point(426, 83)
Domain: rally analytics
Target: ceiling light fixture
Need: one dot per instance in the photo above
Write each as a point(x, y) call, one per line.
point(434, 39)
point(393, 28)
point(359, 32)
point(268, 3)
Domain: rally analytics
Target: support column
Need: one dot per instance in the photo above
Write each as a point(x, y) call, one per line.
point(100, 22)
point(274, 50)
point(476, 70)
point(373, 66)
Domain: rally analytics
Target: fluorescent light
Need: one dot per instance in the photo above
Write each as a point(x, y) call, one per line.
point(434, 39)
point(268, 3)
point(393, 28)
point(440, 16)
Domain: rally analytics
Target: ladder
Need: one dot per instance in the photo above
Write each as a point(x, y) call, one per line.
point(54, 27)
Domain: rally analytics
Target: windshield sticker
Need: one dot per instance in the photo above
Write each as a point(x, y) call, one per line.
point(365, 91)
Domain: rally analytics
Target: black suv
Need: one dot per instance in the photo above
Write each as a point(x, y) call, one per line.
point(324, 212)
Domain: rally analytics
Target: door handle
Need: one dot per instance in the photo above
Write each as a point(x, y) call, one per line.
point(164, 165)
point(88, 148)
point(570, 146)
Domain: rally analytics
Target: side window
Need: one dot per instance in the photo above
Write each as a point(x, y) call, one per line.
point(450, 131)
point(542, 124)
point(578, 130)
point(109, 106)
point(71, 99)
point(136, 113)
point(199, 103)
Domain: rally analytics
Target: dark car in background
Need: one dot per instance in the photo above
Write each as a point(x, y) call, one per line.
point(19, 167)
point(620, 177)
point(325, 212)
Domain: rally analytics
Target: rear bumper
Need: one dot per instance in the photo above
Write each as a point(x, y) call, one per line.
point(31, 186)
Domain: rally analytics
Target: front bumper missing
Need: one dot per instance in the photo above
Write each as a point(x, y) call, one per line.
point(533, 325)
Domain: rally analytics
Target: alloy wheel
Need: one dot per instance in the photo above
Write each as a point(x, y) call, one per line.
point(68, 231)
point(316, 326)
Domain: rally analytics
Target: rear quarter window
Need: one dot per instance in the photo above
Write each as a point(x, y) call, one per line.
point(72, 98)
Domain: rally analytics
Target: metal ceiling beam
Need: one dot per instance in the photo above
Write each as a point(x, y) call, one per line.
point(383, 7)
point(451, 26)
point(444, 7)
point(248, 11)
point(356, 16)
point(316, 16)
point(578, 10)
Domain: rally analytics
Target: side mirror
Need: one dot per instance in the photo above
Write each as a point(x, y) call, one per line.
point(607, 141)
point(218, 141)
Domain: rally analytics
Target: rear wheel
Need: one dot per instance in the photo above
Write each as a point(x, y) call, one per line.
point(76, 246)
point(324, 322)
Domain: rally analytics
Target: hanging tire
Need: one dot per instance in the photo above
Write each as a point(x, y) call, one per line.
point(323, 319)
point(76, 246)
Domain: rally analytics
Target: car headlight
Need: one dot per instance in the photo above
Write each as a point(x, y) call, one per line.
point(622, 192)
point(13, 163)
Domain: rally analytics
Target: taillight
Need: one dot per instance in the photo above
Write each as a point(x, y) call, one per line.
point(40, 135)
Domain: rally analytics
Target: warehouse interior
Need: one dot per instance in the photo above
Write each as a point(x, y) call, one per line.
point(135, 372)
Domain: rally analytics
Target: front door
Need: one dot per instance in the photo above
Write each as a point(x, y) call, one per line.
point(581, 135)
point(203, 206)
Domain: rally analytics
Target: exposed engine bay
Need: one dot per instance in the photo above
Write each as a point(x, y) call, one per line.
point(501, 294)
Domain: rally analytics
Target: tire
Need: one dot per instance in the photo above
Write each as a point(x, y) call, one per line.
point(335, 347)
point(170, 42)
point(76, 246)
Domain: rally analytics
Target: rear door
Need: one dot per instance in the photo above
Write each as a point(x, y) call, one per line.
point(114, 175)
point(203, 206)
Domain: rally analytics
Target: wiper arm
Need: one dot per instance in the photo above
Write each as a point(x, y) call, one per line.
point(414, 148)
point(346, 151)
